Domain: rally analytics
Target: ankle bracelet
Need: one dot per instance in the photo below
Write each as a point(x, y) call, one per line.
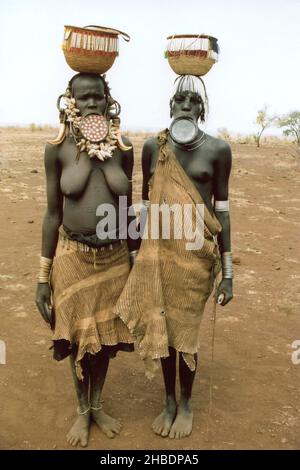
point(97, 408)
point(83, 412)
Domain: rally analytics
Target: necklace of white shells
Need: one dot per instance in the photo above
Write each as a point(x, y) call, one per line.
point(93, 134)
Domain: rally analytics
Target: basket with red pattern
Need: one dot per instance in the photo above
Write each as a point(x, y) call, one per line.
point(91, 49)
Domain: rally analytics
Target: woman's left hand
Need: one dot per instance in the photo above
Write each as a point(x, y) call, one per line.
point(225, 288)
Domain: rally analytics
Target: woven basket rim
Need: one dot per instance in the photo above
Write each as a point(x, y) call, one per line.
point(191, 36)
point(100, 30)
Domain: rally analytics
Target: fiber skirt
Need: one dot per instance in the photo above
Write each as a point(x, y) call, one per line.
point(86, 284)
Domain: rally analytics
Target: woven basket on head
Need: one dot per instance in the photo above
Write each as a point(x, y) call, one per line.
point(191, 54)
point(91, 49)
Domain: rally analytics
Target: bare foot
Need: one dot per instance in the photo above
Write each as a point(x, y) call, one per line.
point(79, 432)
point(106, 423)
point(183, 424)
point(162, 424)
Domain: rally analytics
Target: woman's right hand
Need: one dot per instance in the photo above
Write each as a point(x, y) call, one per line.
point(43, 301)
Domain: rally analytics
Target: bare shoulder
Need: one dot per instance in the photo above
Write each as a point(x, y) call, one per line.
point(221, 148)
point(51, 154)
point(150, 145)
point(218, 144)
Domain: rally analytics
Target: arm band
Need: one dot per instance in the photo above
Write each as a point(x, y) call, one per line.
point(227, 269)
point(222, 206)
point(133, 254)
point(45, 268)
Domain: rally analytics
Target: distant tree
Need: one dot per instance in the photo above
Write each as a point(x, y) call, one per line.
point(291, 125)
point(263, 120)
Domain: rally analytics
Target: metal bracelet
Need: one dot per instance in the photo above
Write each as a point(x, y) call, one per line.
point(227, 269)
point(45, 268)
point(133, 254)
point(83, 412)
point(222, 206)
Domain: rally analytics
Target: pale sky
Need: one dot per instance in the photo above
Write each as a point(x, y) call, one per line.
point(259, 62)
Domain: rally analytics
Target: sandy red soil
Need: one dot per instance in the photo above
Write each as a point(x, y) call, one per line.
point(256, 385)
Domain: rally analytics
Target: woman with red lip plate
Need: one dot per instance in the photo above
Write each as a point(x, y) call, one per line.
point(89, 268)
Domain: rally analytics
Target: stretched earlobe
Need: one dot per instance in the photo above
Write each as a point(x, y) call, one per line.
point(171, 105)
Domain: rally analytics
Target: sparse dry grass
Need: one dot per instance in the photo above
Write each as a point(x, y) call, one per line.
point(249, 139)
point(31, 128)
point(222, 133)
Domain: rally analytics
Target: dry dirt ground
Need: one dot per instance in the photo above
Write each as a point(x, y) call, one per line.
point(256, 385)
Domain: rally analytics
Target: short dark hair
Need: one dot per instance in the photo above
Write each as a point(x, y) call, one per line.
point(89, 75)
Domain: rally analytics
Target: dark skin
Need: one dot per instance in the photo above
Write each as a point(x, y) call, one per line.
point(74, 190)
point(209, 168)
